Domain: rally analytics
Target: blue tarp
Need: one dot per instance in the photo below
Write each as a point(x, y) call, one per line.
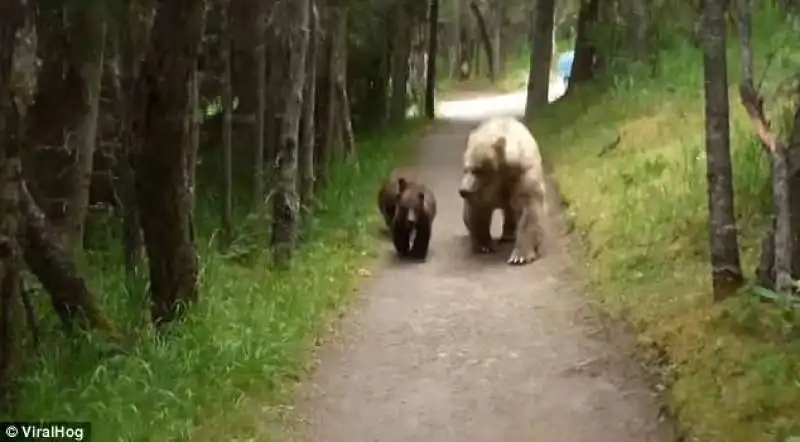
point(564, 64)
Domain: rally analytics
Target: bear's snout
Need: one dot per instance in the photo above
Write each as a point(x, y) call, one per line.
point(468, 186)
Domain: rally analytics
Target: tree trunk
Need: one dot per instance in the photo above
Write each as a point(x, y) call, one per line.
point(52, 265)
point(497, 37)
point(455, 40)
point(541, 57)
point(433, 46)
point(15, 37)
point(585, 47)
point(133, 40)
point(726, 269)
point(284, 231)
point(307, 135)
point(343, 120)
point(637, 24)
point(334, 60)
point(194, 119)
point(227, 128)
point(60, 166)
point(401, 50)
point(485, 39)
point(261, 106)
point(92, 28)
point(160, 167)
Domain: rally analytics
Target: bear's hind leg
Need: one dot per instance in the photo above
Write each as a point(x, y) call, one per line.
point(530, 234)
point(479, 222)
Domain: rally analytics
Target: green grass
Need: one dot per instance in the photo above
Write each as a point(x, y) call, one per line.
point(641, 212)
point(245, 344)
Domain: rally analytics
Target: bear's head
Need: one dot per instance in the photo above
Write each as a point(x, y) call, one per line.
point(482, 169)
point(410, 208)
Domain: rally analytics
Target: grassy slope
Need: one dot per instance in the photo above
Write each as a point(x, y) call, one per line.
point(248, 340)
point(641, 210)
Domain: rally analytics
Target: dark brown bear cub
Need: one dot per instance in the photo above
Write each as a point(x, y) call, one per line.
point(412, 225)
point(389, 194)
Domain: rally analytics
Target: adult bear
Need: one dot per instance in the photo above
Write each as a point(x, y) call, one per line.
point(503, 170)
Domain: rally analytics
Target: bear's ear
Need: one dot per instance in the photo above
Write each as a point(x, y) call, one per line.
point(402, 185)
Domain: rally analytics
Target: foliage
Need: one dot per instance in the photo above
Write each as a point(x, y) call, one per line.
point(734, 368)
point(252, 334)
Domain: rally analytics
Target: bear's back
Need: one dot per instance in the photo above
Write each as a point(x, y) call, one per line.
point(520, 150)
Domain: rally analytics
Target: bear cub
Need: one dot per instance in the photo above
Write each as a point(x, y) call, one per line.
point(412, 225)
point(408, 209)
point(389, 193)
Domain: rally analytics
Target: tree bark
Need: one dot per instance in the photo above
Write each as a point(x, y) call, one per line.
point(133, 40)
point(401, 50)
point(541, 57)
point(160, 167)
point(227, 128)
point(261, 106)
point(91, 30)
point(433, 46)
point(60, 166)
point(497, 37)
point(484, 32)
point(638, 29)
point(726, 270)
point(285, 209)
point(585, 47)
point(343, 119)
point(307, 135)
point(17, 35)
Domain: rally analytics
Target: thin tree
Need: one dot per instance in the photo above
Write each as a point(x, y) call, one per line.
point(160, 167)
point(541, 57)
point(227, 127)
point(726, 272)
point(778, 247)
point(286, 201)
point(585, 48)
point(11, 128)
point(260, 38)
point(307, 134)
point(433, 45)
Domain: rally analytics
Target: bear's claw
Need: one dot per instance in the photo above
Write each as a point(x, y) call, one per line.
point(518, 258)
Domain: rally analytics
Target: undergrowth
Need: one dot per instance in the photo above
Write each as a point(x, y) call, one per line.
point(247, 340)
point(640, 207)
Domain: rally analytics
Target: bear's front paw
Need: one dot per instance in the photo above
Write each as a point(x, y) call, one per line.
point(519, 258)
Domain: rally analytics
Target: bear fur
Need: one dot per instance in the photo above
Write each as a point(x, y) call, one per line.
point(412, 225)
point(503, 170)
point(389, 193)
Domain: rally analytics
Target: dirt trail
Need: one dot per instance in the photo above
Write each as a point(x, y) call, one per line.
point(468, 349)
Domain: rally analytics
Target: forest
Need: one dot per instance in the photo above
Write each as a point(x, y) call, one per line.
point(183, 230)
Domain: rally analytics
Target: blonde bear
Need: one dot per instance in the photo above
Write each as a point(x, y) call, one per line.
point(503, 170)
